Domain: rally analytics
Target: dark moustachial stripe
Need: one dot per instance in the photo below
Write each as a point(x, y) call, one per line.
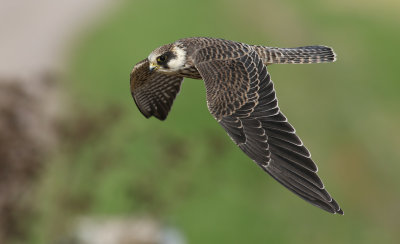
point(170, 55)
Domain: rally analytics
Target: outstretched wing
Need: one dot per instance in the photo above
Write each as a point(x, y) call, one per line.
point(153, 92)
point(241, 96)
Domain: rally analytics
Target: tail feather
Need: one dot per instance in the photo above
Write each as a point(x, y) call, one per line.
point(298, 55)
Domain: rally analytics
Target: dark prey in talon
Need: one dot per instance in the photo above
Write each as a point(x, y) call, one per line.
point(241, 97)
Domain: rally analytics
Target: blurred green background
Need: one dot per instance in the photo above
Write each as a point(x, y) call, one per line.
point(187, 172)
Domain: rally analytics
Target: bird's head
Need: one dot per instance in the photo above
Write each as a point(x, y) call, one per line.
point(169, 58)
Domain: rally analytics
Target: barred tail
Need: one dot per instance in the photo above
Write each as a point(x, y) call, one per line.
point(298, 55)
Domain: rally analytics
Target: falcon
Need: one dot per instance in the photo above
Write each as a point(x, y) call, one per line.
point(241, 97)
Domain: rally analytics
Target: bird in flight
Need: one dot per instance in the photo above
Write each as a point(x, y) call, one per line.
point(241, 97)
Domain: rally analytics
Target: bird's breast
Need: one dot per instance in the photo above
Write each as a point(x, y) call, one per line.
point(190, 72)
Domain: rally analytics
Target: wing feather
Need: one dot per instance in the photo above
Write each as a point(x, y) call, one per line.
point(153, 92)
point(241, 96)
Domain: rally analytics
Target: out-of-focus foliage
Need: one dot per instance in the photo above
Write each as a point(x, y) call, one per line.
point(187, 171)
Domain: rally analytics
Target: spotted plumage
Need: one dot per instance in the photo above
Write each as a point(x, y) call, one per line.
point(241, 97)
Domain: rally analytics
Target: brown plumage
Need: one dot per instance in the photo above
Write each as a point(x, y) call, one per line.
point(154, 92)
point(241, 97)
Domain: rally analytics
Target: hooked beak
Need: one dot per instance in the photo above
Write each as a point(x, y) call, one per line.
point(153, 67)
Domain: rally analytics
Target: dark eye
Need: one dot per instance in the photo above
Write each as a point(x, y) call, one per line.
point(161, 59)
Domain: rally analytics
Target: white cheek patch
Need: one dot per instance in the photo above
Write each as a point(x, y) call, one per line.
point(179, 61)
